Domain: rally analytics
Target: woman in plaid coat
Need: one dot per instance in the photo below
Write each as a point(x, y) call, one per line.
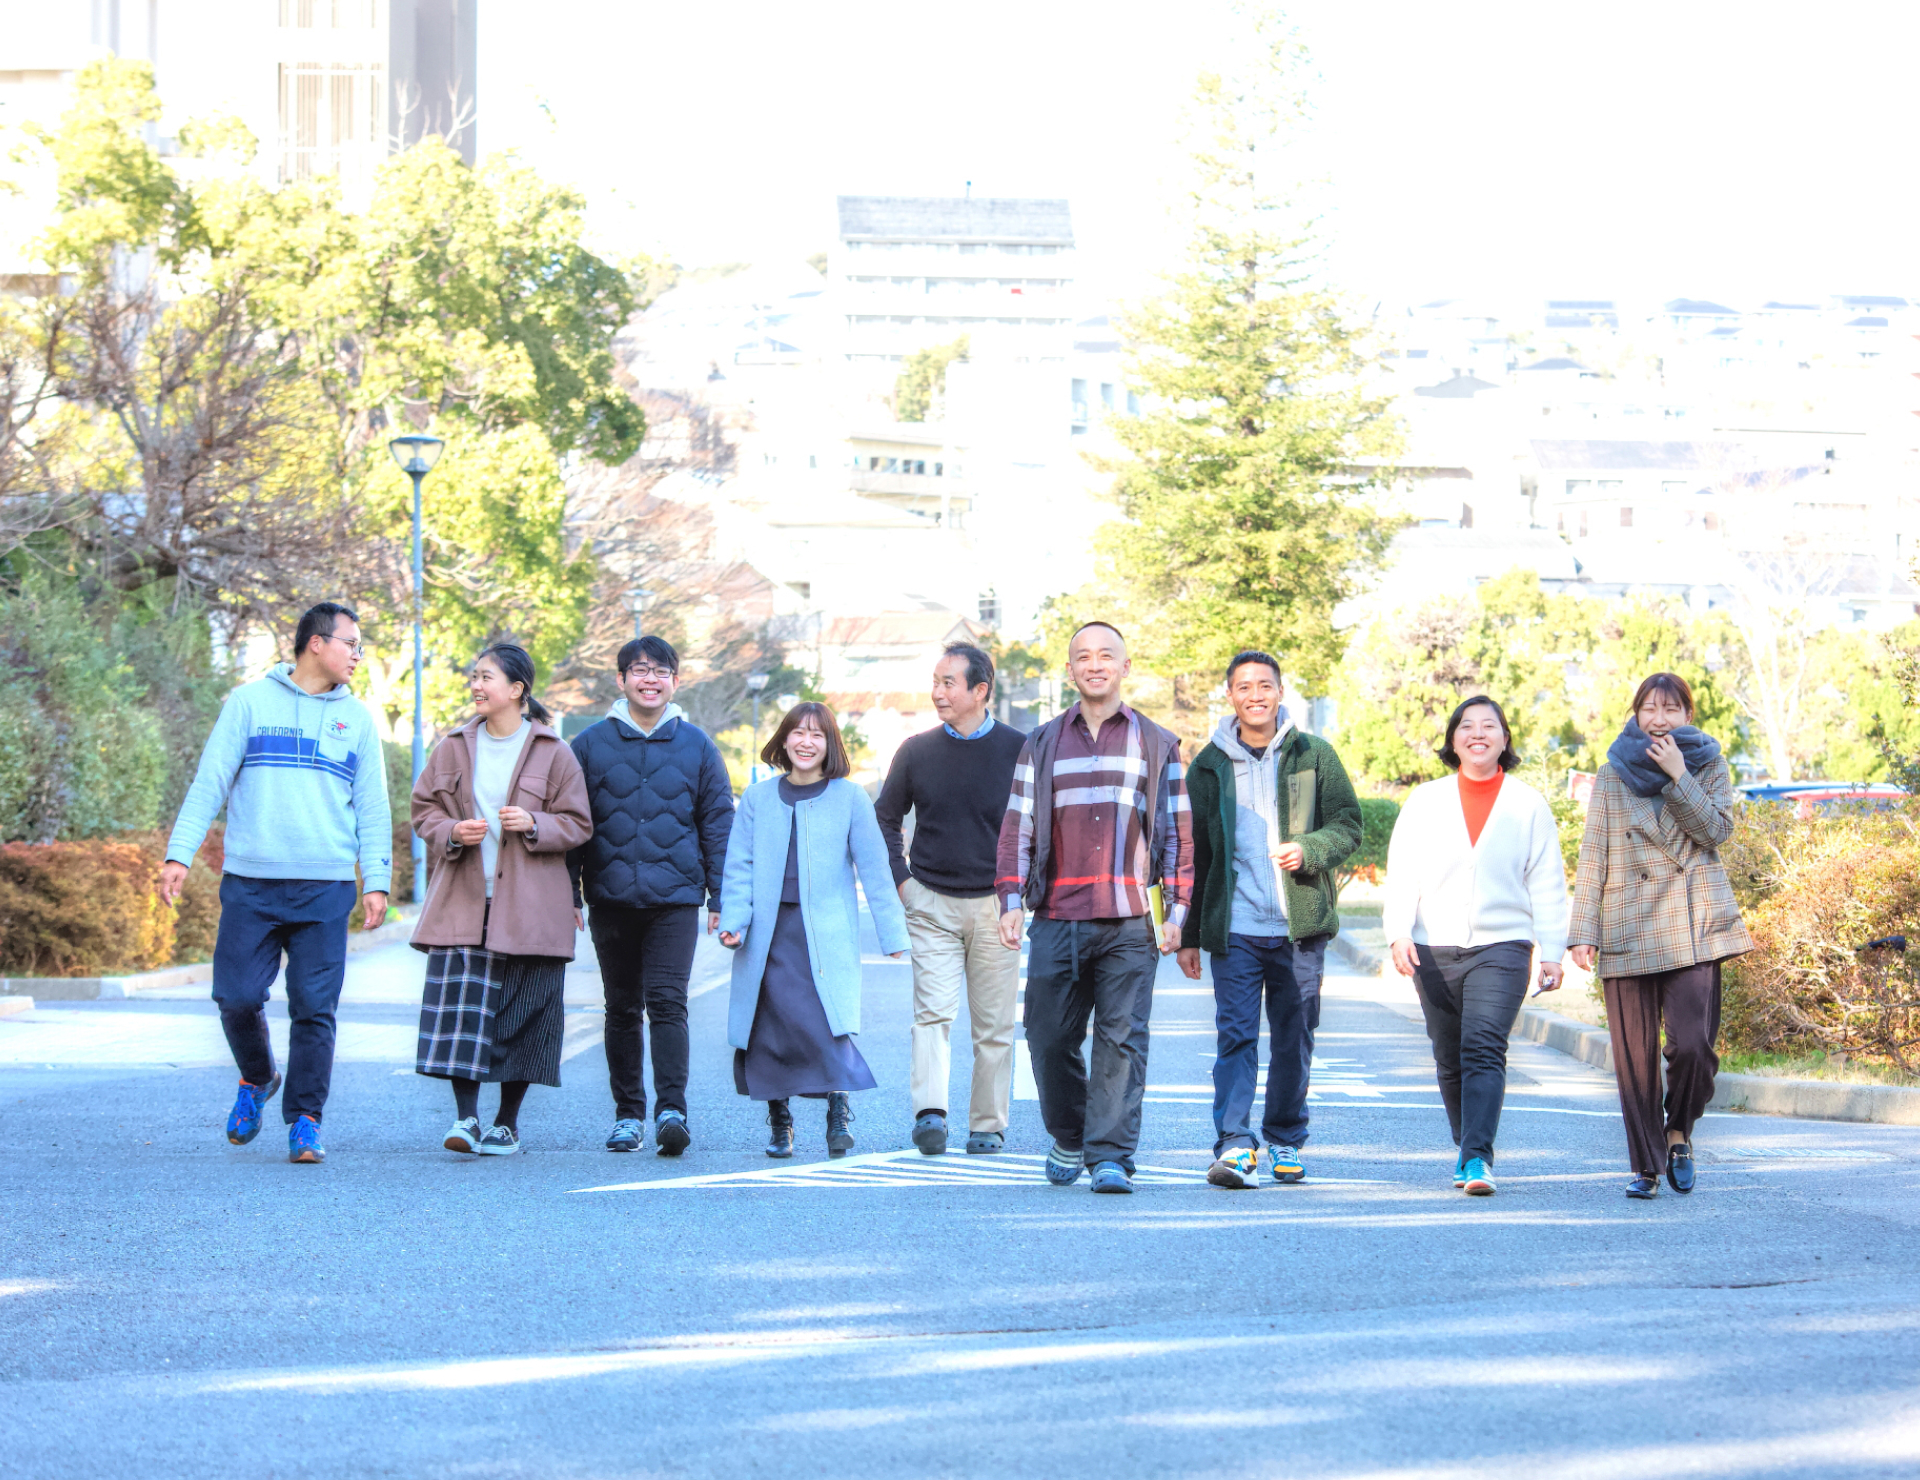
point(498, 806)
point(1654, 916)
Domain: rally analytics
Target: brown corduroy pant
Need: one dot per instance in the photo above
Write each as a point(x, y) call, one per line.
point(1688, 1000)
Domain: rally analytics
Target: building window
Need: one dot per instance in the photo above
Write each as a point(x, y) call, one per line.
point(1579, 487)
point(990, 607)
point(332, 120)
point(1106, 395)
point(1626, 516)
point(1133, 404)
point(1612, 488)
point(1583, 524)
point(939, 470)
point(1711, 522)
point(337, 15)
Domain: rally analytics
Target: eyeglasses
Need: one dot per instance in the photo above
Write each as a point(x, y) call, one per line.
point(654, 673)
point(358, 649)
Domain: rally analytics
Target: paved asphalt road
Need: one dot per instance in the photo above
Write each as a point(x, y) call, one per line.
point(173, 1306)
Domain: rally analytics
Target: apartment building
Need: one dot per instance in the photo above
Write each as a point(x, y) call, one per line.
point(909, 272)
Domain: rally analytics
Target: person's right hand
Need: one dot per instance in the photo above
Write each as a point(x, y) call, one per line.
point(470, 832)
point(729, 940)
point(1405, 960)
point(1583, 957)
point(1189, 959)
point(173, 878)
point(1010, 929)
point(579, 920)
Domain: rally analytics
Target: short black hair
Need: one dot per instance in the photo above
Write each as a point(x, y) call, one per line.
point(979, 664)
point(1096, 622)
point(1450, 758)
point(318, 620)
point(1251, 655)
point(656, 649)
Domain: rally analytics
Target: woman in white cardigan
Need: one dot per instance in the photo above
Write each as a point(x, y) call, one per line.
point(1474, 882)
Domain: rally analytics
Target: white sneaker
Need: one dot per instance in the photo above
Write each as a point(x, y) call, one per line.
point(465, 1135)
point(499, 1141)
point(1238, 1166)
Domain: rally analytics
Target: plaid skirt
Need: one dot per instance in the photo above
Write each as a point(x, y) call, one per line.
point(484, 1015)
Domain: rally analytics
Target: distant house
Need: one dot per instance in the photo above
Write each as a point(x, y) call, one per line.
point(1698, 313)
point(877, 670)
point(1600, 489)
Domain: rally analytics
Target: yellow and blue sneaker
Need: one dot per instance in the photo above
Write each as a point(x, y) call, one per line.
point(1237, 1166)
point(1285, 1163)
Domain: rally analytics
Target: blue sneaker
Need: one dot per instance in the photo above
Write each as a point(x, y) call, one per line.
point(1460, 1174)
point(1064, 1167)
point(1286, 1164)
point(1110, 1176)
point(1478, 1179)
point(670, 1133)
point(627, 1135)
point(244, 1124)
point(303, 1141)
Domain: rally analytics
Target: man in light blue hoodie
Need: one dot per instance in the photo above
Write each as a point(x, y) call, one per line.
point(296, 762)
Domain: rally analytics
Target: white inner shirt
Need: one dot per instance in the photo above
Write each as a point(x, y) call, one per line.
point(492, 770)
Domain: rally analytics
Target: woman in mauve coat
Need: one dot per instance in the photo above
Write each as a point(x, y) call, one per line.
point(499, 804)
point(1654, 916)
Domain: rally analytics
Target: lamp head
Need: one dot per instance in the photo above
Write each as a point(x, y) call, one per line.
point(757, 681)
point(637, 598)
point(416, 453)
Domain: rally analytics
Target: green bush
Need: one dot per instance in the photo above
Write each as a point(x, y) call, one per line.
point(1369, 860)
point(105, 700)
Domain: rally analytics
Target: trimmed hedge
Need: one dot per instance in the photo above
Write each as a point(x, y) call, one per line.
point(1369, 860)
point(89, 908)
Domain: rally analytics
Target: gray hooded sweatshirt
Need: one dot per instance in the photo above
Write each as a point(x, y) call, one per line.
point(1259, 903)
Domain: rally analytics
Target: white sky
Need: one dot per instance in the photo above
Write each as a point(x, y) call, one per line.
point(1517, 151)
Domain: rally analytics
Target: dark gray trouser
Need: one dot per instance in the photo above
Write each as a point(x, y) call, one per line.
point(1103, 969)
point(1471, 995)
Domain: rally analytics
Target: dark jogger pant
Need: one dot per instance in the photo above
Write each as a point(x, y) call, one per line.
point(1286, 973)
point(646, 957)
point(1688, 1001)
point(1470, 996)
point(1103, 969)
point(306, 921)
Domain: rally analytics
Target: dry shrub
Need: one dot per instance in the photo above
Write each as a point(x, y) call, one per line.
point(80, 909)
point(1815, 891)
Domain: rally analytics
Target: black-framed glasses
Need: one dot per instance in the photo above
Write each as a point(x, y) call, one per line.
point(636, 671)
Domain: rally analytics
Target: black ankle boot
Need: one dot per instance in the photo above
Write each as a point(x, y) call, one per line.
point(780, 1143)
point(839, 1123)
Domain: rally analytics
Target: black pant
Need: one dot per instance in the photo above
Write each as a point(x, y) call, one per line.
point(1103, 969)
point(304, 920)
point(1471, 995)
point(646, 956)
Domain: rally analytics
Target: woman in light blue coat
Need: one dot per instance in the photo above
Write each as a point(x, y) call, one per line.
point(789, 910)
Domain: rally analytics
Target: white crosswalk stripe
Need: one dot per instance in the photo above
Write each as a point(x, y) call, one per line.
point(896, 1169)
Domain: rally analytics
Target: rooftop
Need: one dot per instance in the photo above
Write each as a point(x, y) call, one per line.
point(1624, 456)
point(954, 218)
point(1699, 308)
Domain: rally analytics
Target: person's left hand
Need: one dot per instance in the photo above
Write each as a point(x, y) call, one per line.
point(376, 903)
point(1551, 973)
point(1291, 857)
point(713, 921)
point(1189, 959)
point(1169, 938)
point(896, 955)
point(515, 819)
point(729, 940)
point(1665, 753)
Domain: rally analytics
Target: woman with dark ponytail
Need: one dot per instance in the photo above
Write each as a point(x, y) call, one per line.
point(500, 803)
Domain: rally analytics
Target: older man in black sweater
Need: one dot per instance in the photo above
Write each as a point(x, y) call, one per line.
point(955, 779)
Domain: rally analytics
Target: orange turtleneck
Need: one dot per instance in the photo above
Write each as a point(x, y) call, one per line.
point(1476, 801)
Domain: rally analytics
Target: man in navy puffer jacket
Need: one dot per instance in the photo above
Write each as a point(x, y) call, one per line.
point(662, 810)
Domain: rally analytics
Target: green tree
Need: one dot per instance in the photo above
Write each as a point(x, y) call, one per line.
point(922, 383)
point(1245, 521)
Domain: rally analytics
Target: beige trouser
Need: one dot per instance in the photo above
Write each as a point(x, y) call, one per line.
point(956, 945)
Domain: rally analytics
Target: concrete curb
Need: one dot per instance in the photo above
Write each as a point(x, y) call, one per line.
point(1360, 958)
point(109, 988)
point(1759, 1094)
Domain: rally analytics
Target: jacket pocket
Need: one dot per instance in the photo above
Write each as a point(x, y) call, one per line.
point(530, 791)
point(1302, 789)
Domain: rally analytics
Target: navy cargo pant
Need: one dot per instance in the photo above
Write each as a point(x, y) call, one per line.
point(304, 920)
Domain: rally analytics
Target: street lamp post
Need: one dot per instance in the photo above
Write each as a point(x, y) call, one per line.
point(637, 600)
point(755, 683)
point(416, 455)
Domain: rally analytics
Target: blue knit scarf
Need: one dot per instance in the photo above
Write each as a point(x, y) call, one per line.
point(1628, 753)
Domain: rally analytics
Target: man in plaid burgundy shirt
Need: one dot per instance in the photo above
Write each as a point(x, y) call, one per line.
point(1097, 817)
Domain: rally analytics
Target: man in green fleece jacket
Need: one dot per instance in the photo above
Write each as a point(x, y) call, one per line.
point(295, 760)
point(1273, 817)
